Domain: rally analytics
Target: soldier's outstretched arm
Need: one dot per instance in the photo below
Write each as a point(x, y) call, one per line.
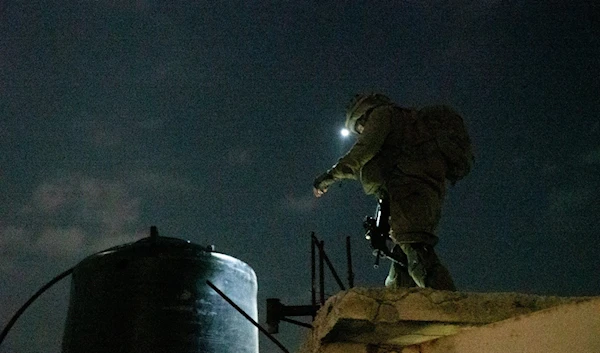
point(368, 144)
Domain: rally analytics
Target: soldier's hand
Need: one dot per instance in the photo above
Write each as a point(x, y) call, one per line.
point(322, 183)
point(319, 193)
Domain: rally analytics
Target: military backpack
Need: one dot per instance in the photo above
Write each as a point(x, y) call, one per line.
point(450, 133)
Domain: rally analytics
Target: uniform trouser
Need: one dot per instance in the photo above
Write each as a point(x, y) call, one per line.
point(415, 210)
point(437, 276)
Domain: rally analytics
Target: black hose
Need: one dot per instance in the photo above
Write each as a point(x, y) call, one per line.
point(30, 301)
point(248, 317)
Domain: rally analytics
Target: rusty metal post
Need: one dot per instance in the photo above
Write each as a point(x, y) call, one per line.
point(331, 268)
point(313, 270)
point(349, 257)
point(321, 272)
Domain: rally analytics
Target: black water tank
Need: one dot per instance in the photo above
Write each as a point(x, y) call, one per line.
point(151, 296)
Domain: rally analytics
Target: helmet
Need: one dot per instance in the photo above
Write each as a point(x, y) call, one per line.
point(360, 105)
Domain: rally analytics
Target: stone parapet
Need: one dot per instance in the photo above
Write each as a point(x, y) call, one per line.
point(360, 319)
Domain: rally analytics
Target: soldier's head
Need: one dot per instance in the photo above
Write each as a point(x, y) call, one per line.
point(359, 107)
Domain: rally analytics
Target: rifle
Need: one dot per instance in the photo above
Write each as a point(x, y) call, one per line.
point(377, 230)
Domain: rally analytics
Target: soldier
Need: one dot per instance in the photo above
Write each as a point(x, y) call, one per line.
point(406, 156)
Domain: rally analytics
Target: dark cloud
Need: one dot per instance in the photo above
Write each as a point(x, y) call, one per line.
point(73, 216)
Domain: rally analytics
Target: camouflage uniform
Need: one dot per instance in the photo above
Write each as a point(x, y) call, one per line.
point(395, 157)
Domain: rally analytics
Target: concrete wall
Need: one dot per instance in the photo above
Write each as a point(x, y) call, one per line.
point(567, 328)
point(373, 320)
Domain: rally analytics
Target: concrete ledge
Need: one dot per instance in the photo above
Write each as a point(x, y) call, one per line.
point(404, 317)
point(566, 328)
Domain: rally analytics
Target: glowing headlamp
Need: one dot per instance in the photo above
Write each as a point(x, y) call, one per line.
point(345, 132)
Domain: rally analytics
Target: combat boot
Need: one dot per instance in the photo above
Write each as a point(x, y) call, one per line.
point(398, 276)
point(425, 267)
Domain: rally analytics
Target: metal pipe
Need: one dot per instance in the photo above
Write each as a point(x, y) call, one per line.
point(321, 273)
point(349, 258)
point(313, 270)
point(333, 272)
point(298, 310)
point(296, 322)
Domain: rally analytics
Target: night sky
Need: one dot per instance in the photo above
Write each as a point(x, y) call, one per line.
point(211, 119)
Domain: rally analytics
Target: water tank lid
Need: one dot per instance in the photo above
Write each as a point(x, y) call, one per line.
point(162, 246)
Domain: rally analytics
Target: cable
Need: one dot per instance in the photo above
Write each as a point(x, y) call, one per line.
point(30, 301)
point(248, 317)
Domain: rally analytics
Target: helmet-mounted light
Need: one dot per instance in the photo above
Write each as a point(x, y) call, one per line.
point(360, 105)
